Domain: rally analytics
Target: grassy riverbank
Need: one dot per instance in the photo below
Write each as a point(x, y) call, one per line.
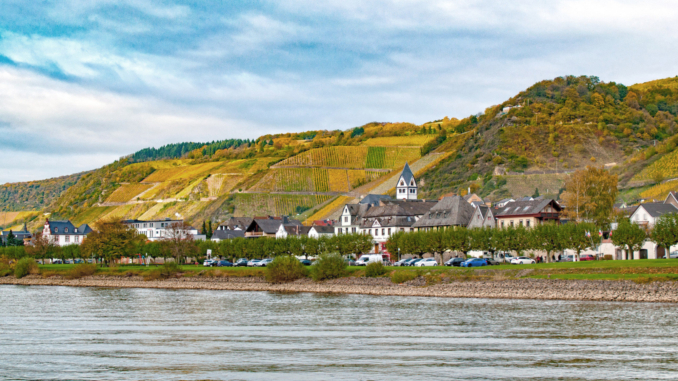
point(636, 270)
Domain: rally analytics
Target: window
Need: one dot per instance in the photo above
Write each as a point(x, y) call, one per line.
point(389, 231)
point(411, 190)
point(76, 239)
point(502, 224)
point(353, 230)
point(345, 219)
point(521, 222)
point(56, 230)
point(376, 232)
point(65, 230)
point(382, 231)
point(67, 238)
point(527, 222)
point(511, 222)
point(75, 230)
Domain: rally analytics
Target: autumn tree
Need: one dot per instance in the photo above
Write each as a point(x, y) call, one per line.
point(110, 240)
point(590, 194)
point(41, 247)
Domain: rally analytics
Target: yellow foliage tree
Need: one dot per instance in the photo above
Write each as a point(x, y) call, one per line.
point(590, 194)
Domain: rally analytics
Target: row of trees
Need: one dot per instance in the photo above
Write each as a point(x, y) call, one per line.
point(548, 238)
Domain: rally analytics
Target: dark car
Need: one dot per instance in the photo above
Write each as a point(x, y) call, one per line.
point(242, 262)
point(223, 264)
point(414, 262)
point(306, 262)
point(455, 262)
point(491, 261)
point(587, 257)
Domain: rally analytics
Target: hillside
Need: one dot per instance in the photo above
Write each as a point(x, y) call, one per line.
point(34, 195)
point(522, 146)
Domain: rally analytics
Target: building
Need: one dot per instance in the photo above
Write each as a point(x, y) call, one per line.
point(64, 233)
point(503, 202)
point(390, 217)
point(236, 223)
point(455, 211)
point(406, 187)
point(268, 226)
point(672, 198)
point(349, 221)
point(528, 213)
point(647, 214)
point(285, 231)
point(317, 231)
point(23, 236)
point(158, 229)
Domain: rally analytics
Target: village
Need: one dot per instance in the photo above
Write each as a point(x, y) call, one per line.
point(383, 218)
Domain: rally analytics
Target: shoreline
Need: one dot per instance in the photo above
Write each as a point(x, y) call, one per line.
point(538, 289)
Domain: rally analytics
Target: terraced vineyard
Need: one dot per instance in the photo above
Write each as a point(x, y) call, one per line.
point(660, 191)
point(256, 204)
point(664, 168)
point(128, 191)
point(392, 141)
point(314, 180)
point(92, 214)
point(354, 157)
point(181, 173)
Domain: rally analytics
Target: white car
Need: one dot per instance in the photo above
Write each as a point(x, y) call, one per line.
point(426, 262)
point(253, 262)
point(369, 258)
point(400, 262)
point(208, 263)
point(522, 261)
point(263, 262)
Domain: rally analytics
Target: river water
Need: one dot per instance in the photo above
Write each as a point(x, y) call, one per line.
point(148, 334)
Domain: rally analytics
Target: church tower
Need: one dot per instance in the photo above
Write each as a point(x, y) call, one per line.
point(406, 189)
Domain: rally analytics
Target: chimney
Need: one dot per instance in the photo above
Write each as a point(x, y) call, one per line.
point(469, 191)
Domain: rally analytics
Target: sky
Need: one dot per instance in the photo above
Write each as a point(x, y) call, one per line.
point(83, 83)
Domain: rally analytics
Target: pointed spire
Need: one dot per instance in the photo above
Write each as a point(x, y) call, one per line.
point(407, 174)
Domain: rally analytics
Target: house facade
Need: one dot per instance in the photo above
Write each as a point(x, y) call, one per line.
point(382, 221)
point(158, 229)
point(647, 214)
point(528, 213)
point(64, 233)
point(406, 187)
point(268, 226)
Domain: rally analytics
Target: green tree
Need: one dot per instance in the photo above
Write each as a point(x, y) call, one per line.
point(575, 236)
point(629, 237)
point(547, 237)
point(536, 193)
point(665, 232)
point(110, 241)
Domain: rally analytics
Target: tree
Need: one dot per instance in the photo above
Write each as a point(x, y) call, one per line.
point(665, 232)
point(590, 194)
point(547, 237)
point(577, 237)
point(178, 241)
point(110, 241)
point(41, 247)
point(210, 232)
point(485, 239)
point(394, 243)
point(435, 243)
point(629, 236)
point(536, 193)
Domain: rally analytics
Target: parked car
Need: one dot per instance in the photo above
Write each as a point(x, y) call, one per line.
point(351, 262)
point(253, 262)
point(522, 261)
point(263, 262)
point(492, 261)
point(672, 255)
point(208, 263)
point(456, 262)
point(427, 262)
point(242, 262)
point(57, 262)
point(587, 257)
point(508, 258)
point(79, 261)
point(306, 262)
point(474, 262)
point(68, 261)
point(415, 261)
point(567, 258)
point(366, 259)
point(223, 264)
point(401, 262)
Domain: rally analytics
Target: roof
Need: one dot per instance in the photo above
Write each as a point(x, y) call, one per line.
point(297, 230)
point(450, 211)
point(146, 221)
point(241, 222)
point(270, 225)
point(323, 229)
point(657, 209)
point(407, 174)
point(400, 208)
point(373, 199)
point(67, 228)
point(228, 234)
point(521, 208)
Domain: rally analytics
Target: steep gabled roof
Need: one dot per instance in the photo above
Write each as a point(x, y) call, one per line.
point(228, 234)
point(407, 174)
point(373, 199)
point(521, 208)
point(323, 229)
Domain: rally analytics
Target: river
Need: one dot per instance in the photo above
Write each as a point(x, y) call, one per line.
point(150, 334)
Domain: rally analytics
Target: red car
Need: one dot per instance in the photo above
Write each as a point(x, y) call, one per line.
point(587, 257)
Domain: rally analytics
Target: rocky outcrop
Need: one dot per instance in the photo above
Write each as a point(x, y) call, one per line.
point(548, 289)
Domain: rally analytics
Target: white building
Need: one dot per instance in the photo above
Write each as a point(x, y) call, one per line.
point(158, 229)
point(406, 188)
point(647, 214)
point(64, 233)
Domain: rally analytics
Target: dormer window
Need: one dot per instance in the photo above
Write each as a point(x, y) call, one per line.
point(66, 230)
point(56, 230)
point(76, 230)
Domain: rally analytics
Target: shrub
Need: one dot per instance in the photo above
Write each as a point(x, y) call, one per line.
point(81, 270)
point(24, 267)
point(375, 269)
point(163, 272)
point(329, 266)
point(402, 276)
point(284, 268)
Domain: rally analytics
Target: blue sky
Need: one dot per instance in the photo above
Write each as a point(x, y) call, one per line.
point(85, 82)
